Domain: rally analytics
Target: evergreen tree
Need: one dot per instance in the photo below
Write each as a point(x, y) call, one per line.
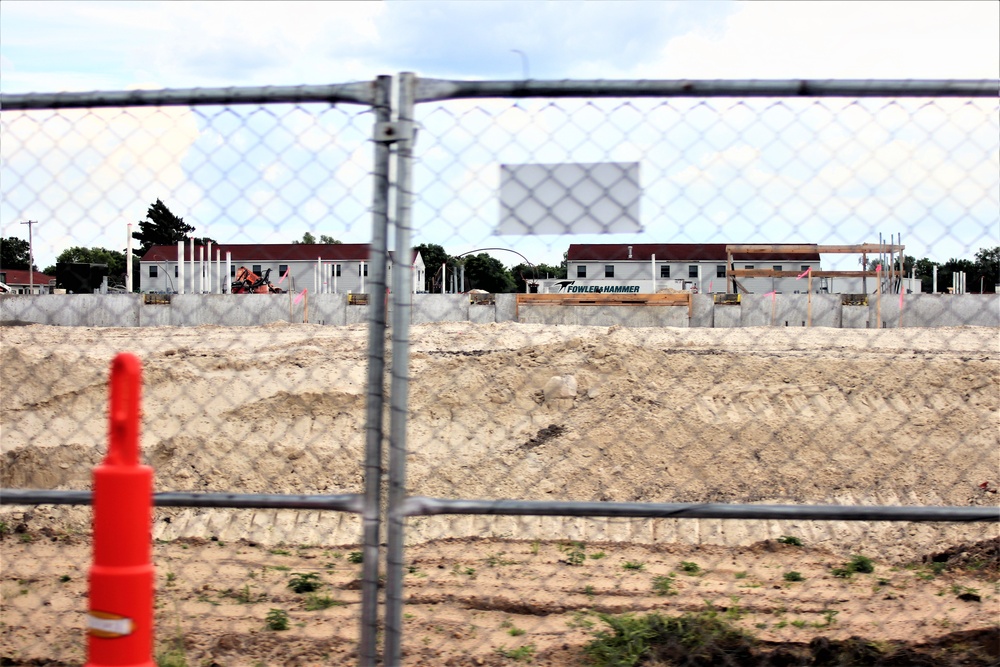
point(161, 227)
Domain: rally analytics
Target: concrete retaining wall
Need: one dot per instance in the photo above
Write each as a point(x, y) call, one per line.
point(605, 316)
point(129, 310)
point(440, 308)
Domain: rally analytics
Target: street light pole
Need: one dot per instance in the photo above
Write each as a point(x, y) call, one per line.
point(31, 257)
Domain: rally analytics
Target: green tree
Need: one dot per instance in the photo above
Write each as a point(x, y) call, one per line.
point(525, 272)
point(434, 256)
point(487, 273)
point(15, 253)
point(309, 239)
point(925, 272)
point(161, 227)
point(950, 268)
point(987, 271)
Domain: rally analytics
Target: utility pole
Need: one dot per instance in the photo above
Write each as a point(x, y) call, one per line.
point(31, 257)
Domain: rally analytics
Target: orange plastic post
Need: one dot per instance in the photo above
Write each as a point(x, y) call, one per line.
point(120, 620)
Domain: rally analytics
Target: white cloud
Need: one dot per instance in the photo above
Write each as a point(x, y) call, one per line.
point(864, 40)
point(85, 174)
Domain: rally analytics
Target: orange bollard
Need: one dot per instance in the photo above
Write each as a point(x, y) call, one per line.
point(120, 620)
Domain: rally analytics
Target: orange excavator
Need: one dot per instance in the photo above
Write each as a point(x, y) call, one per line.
point(248, 282)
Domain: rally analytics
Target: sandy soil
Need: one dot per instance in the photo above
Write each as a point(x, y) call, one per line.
point(661, 415)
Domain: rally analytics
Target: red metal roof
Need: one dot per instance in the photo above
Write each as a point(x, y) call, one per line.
point(672, 252)
point(19, 277)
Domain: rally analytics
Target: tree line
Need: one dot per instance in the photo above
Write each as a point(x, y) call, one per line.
point(480, 271)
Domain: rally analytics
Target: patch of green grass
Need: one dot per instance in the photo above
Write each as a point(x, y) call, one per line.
point(467, 571)
point(305, 582)
point(740, 575)
point(581, 619)
point(633, 565)
point(64, 578)
point(356, 557)
point(829, 617)
point(857, 563)
point(316, 602)
point(495, 560)
point(172, 656)
point(588, 590)
point(800, 623)
point(687, 567)
point(525, 653)
point(280, 552)
point(791, 540)
point(515, 632)
point(664, 585)
point(734, 612)
point(794, 576)
point(243, 595)
point(656, 639)
point(276, 619)
point(597, 555)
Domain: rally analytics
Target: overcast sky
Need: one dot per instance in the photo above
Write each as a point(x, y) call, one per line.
point(74, 46)
point(80, 45)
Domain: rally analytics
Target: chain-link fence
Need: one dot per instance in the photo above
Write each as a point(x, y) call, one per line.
point(774, 453)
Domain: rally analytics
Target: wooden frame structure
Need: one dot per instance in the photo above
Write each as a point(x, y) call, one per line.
point(892, 272)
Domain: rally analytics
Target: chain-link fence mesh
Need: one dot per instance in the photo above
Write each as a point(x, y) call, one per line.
point(744, 448)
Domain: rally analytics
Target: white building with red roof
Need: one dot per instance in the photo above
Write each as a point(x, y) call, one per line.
point(317, 267)
point(22, 281)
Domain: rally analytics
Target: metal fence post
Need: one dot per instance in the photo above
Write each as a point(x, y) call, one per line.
point(402, 285)
point(376, 371)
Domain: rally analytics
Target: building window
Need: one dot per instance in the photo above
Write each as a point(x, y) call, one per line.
point(282, 268)
point(664, 270)
point(609, 270)
point(256, 269)
point(581, 271)
point(777, 267)
point(362, 269)
point(748, 266)
point(804, 267)
point(692, 270)
point(176, 266)
point(720, 270)
point(153, 271)
point(336, 270)
point(232, 270)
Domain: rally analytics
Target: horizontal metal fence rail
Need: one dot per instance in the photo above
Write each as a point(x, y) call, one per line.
point(345, 502)
point(422, 506)
point(430, 90)
point(347, 93)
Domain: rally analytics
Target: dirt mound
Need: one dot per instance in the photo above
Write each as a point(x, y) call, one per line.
point(981, 557)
